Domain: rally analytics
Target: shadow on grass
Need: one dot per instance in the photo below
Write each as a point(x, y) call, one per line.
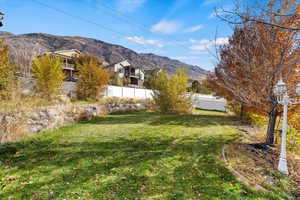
point(122, 168)
point(157, 119)
point(70, 169)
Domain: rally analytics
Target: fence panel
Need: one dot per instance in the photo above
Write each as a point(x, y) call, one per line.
point(128, 92)
point(140, 93)
point(113, 91)
point(208, 102)
point(200, 101)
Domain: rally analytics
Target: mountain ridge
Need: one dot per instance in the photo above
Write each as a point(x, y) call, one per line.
point(25, 46)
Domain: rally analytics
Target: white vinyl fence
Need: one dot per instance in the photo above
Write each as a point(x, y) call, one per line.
point(206, 102)
point(209, 102)
point(126, 92)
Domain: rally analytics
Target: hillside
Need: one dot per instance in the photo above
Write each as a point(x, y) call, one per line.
point(25, 46)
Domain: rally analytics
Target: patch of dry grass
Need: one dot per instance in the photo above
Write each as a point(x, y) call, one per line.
point(22, 105)
point(258, 163)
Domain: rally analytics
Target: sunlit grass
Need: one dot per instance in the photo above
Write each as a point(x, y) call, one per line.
point(139, 155)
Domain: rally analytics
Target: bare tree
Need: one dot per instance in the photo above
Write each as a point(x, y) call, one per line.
point(284, 14)
point(23, 57)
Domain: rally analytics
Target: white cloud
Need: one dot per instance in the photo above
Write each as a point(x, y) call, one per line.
point(222, 40)
point(193, 28)
point(204, 44)
point(198, 52)
point(129, 5)
point(200, 47)
point(143, 41)
point(203, 41)
point(187, 58)
point(166, 27)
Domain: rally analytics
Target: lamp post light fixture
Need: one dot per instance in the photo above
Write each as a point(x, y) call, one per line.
point(283, 98)
point(1, 18)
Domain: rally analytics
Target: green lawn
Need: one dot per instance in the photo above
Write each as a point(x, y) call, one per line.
point(126, 156)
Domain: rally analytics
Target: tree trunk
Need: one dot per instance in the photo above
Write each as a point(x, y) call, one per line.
point(242, 113)
point(271, 126)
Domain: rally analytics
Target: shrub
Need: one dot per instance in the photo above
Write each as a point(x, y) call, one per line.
point(293, 140)
point(49, 76)
point(200, 88)
point(170, 94)
point(8, 78)
point(118, 100)
point(150, 78)
point(91, 77)
point(294, 117)
point(246, 116)
point(115, 79)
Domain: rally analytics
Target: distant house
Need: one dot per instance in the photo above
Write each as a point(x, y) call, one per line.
point(133, 75)
point(69, 64)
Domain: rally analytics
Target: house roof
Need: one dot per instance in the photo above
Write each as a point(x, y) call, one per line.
point(69, 53)
point(122, 63)
point(113, 64)
point(65, 53)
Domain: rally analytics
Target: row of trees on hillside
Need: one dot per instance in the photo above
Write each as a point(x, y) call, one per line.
point(263, 49)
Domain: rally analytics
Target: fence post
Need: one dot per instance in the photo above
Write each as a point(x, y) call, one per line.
point(122, 93)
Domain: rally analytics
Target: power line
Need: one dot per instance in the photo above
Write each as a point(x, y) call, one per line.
point(125, 18)
point(78, 17)
point(90, 21)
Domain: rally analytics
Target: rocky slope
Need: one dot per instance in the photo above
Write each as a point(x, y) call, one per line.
point(25, 46)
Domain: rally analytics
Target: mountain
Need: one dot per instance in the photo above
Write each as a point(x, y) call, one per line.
point(24, 47)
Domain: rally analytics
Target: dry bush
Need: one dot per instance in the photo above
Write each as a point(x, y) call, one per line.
point(117, 100)
point(170, 94)
point(13, 130)
point(23, 104)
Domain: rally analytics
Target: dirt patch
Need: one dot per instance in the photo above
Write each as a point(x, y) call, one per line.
point(256, 165)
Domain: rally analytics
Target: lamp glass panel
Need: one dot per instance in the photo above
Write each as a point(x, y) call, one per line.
point(280, 88)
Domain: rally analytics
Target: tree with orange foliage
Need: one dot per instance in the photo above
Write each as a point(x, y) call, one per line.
point(255, 58)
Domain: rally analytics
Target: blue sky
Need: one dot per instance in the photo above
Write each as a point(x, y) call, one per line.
point(181, 29)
